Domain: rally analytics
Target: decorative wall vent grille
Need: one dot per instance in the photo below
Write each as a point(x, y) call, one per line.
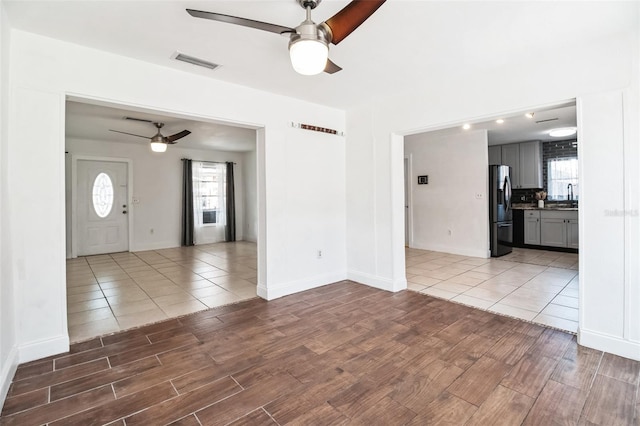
point(316, 128)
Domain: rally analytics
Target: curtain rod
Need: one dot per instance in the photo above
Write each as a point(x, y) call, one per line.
point(207, 161)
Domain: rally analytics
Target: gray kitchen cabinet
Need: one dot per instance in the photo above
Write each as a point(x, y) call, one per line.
point(572, 233)
point(530, 165)
point(532, 227)
point(495, 154)
point(559, 228)
point(511, 157)
point(525, 159)
point(552, 232)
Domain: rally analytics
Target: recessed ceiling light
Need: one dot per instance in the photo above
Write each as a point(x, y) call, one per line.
point(562, 132)
point(499, 121)
point(467, 126)
point(529, 115)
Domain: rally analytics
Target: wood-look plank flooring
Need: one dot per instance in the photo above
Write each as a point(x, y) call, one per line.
point(341, 354)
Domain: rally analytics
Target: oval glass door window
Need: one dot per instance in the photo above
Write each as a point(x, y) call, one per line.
point(102, 195)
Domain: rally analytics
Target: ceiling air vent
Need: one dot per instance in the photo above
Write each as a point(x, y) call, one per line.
point(136, 119)
point(547, 120)
point(194, 61)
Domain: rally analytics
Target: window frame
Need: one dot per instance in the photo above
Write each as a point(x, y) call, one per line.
point(572, 179)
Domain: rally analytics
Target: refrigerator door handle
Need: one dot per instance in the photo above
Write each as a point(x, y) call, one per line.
point(507, 193)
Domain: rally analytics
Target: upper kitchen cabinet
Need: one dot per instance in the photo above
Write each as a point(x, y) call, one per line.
point(511, 157)
point(495, 154)
point(525, 159)
point(531, 165)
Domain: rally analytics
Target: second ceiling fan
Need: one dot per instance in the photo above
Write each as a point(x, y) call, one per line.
point(159, 142)
point(309, 42)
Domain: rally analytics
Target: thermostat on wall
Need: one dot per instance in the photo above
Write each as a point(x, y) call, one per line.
point(423, 180)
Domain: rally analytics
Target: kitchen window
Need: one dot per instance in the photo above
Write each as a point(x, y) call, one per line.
point(561, 173)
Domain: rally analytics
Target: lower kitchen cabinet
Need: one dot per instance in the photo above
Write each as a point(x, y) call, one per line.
point(532, 227)
point(572, 233)
point(559, 228)
point(552, 232)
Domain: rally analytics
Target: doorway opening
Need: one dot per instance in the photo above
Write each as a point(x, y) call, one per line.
point(449, 253)
point(125, 266)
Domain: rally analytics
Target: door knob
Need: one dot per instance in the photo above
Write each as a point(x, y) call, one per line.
point(124, 212)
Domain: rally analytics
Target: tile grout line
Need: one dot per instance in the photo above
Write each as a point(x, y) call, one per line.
point(546, 268)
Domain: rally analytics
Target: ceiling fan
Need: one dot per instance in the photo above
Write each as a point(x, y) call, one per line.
point(309, 42)
point(158, 141)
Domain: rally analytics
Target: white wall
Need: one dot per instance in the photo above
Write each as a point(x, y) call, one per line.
point(8, 347)
point(457, 170)
point(375, 168)
point(157, 184)
point(44, 71)
point(315, 196)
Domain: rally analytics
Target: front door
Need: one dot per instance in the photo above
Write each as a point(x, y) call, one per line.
point(102, 207)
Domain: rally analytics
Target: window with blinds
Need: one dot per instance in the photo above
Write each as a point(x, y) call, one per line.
point(561, 173)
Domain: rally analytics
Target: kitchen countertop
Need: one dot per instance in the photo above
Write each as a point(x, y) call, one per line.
point(527, 206)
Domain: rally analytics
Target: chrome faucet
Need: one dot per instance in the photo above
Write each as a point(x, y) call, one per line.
point(570, 193)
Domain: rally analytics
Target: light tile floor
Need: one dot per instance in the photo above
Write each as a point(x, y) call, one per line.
point(534, 285)
point(114, 292)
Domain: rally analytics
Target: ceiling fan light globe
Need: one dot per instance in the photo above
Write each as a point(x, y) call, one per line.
point(308, 57)
point(158, 146)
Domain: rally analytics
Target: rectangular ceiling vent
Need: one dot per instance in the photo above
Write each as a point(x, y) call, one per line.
point(546, 121)
point(136, 119)
point(194, 61)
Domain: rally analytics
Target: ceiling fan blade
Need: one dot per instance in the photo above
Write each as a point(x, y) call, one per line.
point(179, 135)
point(331, 67)
point(265, 26)
point(131, 134)
point(350, 17)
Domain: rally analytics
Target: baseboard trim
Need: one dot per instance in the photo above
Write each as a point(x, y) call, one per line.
point(6, 375)
point(280, 290)
point(159, 245)
point(462, 251)
point(377, 281)
point(608, 343)
point(43, 348)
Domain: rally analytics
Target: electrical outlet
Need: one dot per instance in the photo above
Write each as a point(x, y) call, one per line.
point(319, 254)
point(479, 196)
point(151, 231)
point(449, 232)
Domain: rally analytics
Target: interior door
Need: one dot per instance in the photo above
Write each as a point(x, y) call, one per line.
point(102, 208)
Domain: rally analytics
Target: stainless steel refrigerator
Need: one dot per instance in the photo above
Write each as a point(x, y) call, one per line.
point(500, 215)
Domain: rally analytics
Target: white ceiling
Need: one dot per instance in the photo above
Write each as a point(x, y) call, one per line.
point(519, 128)
point(93, 122)
point(403, 45)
